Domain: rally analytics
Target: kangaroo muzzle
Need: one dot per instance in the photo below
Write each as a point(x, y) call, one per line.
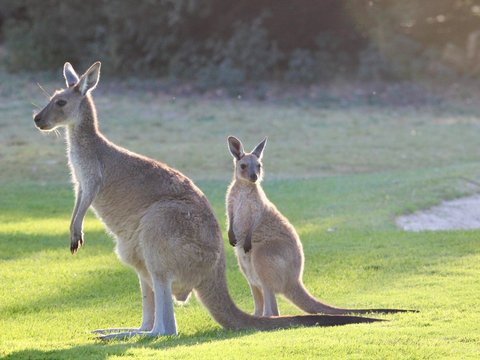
point(39, 123)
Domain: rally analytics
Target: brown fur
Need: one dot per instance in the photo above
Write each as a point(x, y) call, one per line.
point(163, 225)
point(267, 246)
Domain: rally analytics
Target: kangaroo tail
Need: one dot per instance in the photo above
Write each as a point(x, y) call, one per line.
point(213, 293)
point(300, 296)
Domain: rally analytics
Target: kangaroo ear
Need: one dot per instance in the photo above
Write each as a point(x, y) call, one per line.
point(71, 77)
point(236, 147)
point(89, 80)
point(258, 151)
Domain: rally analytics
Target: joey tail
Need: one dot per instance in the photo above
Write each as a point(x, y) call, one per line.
point(213, 293)
point(300, 296)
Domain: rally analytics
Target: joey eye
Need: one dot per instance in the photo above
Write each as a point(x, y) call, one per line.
point(60, 102)
point(243, 166)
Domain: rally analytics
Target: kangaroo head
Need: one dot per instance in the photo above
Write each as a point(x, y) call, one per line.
point(248, 166)
point(64, 106)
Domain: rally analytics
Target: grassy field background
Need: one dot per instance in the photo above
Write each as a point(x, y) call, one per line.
point(340, 172)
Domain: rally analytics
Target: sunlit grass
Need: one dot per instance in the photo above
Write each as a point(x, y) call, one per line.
point(340, 175)
point(46, 226)
point(50, 300)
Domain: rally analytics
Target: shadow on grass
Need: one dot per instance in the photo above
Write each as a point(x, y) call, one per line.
point(385, 256)
point(17, 244)
point(373, 257)
point(444, 246)
point(100, 287)
point(102, 350)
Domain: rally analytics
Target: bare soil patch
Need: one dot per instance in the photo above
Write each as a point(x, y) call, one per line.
point(459, 214)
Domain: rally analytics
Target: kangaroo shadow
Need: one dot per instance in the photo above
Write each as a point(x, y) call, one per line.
point(103, 350)
point(19, 245)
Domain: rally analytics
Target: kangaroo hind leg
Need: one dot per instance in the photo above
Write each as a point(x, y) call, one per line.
point(258, 299)
point(148, 310)
point(270, 307)
point(148, 316)
point(164, 322)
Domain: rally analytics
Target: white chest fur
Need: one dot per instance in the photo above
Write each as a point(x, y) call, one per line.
point(247, 209)
point(75, 166)
point(247, 212)
point(84, 164)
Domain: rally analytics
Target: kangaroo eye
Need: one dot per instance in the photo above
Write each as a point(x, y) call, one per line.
point(243, 166)
point(60, 103)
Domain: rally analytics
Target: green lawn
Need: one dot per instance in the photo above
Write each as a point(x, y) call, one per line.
point(339, 174)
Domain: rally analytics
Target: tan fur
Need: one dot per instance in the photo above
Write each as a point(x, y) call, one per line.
point(268, 248)
point(163, 225)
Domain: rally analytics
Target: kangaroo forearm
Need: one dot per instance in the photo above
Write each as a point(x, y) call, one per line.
point(83, 201)
point(231, 235)
point(245, 234)
point(76, 234)
point(247, 245)
point(244, 238)
point(78, 199)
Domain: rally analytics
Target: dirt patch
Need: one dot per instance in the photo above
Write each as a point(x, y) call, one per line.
point(459, 214)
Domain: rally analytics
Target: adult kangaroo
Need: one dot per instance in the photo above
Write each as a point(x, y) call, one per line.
point(267, 246)
point(163, 224)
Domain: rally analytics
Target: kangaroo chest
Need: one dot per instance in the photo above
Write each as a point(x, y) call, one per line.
point(113, 203)
point(247, 213)
point(84, 164)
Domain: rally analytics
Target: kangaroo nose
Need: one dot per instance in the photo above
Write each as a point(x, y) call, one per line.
point(253, 177)
point(36, 118)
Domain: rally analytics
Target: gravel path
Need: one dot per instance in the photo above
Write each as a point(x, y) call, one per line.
point(459, 214)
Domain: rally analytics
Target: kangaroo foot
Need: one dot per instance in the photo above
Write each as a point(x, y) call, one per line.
point(129, 334)
point(121, 330)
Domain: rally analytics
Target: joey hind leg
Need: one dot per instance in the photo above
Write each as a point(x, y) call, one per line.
point(258, 300)
point(270, 307)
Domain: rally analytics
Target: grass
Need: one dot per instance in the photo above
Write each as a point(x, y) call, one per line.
point(340, 175)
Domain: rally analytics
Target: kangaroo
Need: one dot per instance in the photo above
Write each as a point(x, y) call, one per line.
point(268, 248)
point(162, 223)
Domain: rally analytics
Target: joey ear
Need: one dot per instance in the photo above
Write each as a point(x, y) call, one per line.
point(258, 151)
point(89, 80)
point(71, 77)
point(236, 147)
